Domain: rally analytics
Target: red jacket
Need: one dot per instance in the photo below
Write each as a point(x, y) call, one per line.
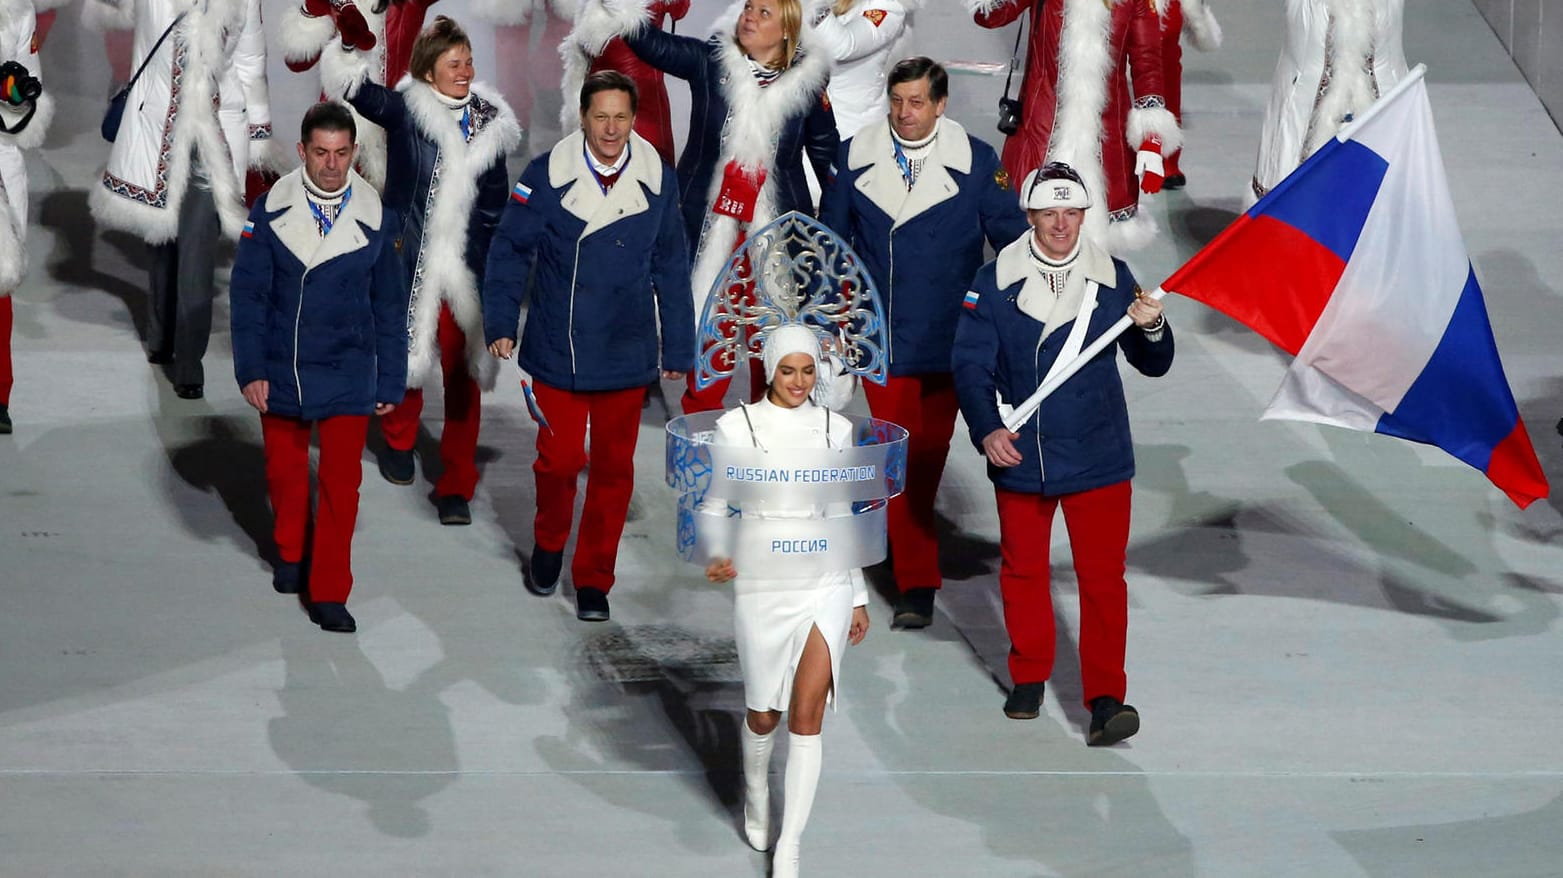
point(1134, 45)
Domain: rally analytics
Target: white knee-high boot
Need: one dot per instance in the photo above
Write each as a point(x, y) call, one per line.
point(757, 786)
point(802, 777)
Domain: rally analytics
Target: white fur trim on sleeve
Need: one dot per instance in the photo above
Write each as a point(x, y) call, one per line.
point(981, 7)
point(341, 77)
point(13, 253)
point(1134, 233)
point(1201, 26)
point(1157, 121)
point(38, 127)
point(107, 15)
point(301, 37)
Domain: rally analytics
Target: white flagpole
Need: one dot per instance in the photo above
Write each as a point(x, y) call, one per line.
point(1025, 410)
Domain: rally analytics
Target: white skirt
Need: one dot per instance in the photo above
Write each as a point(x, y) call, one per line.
point(771, 628)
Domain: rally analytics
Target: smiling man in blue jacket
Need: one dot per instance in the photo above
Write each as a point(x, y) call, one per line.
point(1032, 309)
point(598, 217)
point(319, 342)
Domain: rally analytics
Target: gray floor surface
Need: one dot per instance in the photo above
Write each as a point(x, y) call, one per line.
point(1345, 648)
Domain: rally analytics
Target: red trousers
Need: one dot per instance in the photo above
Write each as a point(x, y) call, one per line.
point(1098, 523)
point(6, 378)
point(463, 412)
point(1172, 71)
point(287, 481)
point(614, 417)
point(926, 406)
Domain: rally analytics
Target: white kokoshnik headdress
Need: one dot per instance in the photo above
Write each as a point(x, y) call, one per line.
point(793, 272)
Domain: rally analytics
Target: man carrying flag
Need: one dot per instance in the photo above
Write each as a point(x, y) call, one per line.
point(1355, 264)
point(1029, 313)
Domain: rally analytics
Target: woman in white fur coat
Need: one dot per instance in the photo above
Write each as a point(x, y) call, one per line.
point(176, 171)
point(757, 105)
point(864, 38)
point(1338, 58)
point(24, 119)
point(446, 184)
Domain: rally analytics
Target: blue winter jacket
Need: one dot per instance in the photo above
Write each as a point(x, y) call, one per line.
point(701, 64)
point(608, 270)
point(323, 319)
point(921, 247)
point(1079, 438)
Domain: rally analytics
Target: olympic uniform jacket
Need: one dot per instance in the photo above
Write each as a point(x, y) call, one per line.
point(18, 43)
point(608, 269)
point(321, 318)
point(216, 106)
point(732, 118)
point(446, 192)
point(1079, 438)
point(922, 246)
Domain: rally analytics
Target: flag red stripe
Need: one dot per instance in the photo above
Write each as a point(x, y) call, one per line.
point(1515, 469)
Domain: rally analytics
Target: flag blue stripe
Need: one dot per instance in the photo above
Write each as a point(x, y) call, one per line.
point(1334, 211)
point(1461, 401)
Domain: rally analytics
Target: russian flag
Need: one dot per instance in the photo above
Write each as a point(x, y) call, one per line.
point(249, 229)
point(970, 303)
point(1355, 264)
point(521, 192)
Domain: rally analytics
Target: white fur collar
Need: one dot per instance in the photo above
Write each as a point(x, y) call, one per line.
point(296, 227)
point(566, 162)
point(497, 133)
point(951, 148)
point(1013, 263)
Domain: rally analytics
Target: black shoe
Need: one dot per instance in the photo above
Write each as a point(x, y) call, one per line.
point(332, 617)
point(396, 466)
point(159, 358)
point(189, 391)
point(544, 567)
point(914, 610)
point(287, 577)
point(1111, 721)
point(5, 420)
point(591, 605)
point(1560, 424)
point(453, 509)
point(1176, 181)
point(1024, 701)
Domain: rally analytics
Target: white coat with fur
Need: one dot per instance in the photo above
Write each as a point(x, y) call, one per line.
point(204, 92)
point(864, 43)
point(302, 37)
point(17, 22)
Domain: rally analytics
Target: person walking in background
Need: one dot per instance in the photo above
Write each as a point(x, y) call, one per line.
point(25, 112)
point(757, 104)
point(917, 196)
point(176, 170)
point(445, 185)
point(319, 342)
point(863, 38)
point(594, 225)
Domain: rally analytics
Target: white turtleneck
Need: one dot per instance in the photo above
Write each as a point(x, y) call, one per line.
point(328, 204)
point(916, 151)
point(457, 106)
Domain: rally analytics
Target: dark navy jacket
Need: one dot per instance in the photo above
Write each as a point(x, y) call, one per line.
point(706, 66)
point(323, 319)
point(608, 270)
point(922, 247)
point(1079, 438)
point(411, 154)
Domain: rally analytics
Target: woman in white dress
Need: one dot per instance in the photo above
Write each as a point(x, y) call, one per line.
point(1338, 58)
point(790, 631)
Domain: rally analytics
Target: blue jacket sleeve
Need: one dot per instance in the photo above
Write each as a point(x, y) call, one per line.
point(670, 276)
point(683, 57)
point(249, 294)
point(1002, 219)
point(974, 363)
point(821, 140)
point(380, 105)
point(1150, 358)
point(835, 203)
point(510, 258)
point(493, 192)
point(388, 299)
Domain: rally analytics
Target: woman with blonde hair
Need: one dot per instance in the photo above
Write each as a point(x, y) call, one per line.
point(446, 184)
point(757, 104)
